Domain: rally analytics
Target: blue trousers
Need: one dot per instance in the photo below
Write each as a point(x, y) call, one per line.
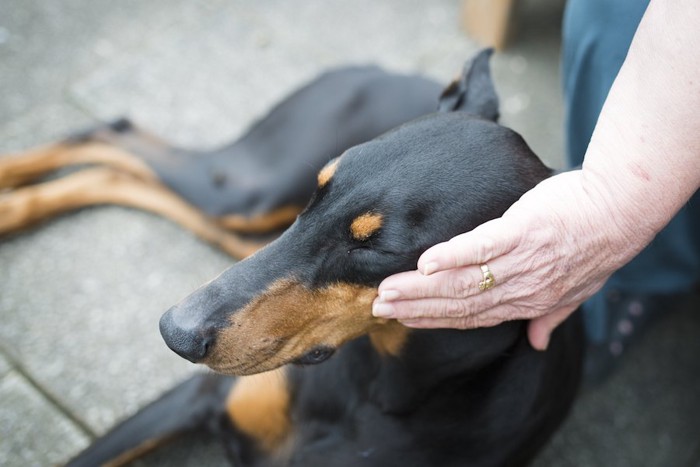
point(597, 35)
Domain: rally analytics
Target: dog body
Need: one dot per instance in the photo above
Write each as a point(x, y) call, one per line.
point(445, 400)
point(274, 164)
point(389, 396)
point(254, 186)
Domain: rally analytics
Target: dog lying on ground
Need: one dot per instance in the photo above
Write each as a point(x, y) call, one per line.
point(255, 185)
point(318, 380)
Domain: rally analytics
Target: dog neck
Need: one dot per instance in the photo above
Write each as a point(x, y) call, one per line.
point(430, 357)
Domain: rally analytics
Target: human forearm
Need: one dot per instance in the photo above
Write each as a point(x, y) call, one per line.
point(643, 162)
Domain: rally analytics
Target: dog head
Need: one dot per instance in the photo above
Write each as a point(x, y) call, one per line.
point(376, 208)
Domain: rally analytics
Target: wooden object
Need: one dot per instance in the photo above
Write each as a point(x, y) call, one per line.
point(488, 21)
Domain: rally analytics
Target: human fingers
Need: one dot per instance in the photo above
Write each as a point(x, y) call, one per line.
point(489, 240)
point(491, 317)
point(539, 330)
point(453, 283)
point(442, 307)
point(468, 322)
point(431, 308)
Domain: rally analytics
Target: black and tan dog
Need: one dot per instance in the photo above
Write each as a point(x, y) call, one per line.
point(255, 185)
point(384, 395)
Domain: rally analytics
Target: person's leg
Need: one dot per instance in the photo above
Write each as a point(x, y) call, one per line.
point(597, 35)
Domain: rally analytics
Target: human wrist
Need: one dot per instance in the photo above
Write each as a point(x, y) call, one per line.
point(626, 213)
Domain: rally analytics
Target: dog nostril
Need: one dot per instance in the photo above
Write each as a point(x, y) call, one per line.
point(191, 344)
point(206, 345)
point(194, 349)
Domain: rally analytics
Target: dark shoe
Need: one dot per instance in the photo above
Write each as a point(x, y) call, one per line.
point(629, 315)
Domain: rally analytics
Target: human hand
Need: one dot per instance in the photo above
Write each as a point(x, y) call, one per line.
point(556, 246)
point(550, 251)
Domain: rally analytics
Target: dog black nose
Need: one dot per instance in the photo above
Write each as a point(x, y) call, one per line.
point(190, 343)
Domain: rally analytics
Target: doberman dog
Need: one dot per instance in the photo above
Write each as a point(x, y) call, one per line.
point(327, 383)
point(252, 187)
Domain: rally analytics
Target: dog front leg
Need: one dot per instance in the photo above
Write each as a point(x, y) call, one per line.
point(258, 409)
point(189, 407)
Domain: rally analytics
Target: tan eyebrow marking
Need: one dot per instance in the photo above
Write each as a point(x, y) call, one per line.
point(365, 225)
point(326, 173)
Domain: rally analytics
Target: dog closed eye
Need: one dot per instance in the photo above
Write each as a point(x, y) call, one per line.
point(315, 356)
point(360, 249)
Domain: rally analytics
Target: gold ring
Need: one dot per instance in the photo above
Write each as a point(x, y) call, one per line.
point(489, 280)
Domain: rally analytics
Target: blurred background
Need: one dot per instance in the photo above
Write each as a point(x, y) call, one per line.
point(80, 296)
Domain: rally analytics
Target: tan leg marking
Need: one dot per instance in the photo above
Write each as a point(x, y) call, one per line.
point(326, 173)
point(366, 225)
point(258, 405)
point(23, 207)
point(262, 223)
point(20, 169)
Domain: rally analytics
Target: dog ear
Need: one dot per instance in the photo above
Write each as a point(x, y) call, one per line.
point(473, 91)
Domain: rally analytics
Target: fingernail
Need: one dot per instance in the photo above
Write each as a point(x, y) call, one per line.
point(382, 310)
point(409, 323)
point(430, 268)
point(389, 295)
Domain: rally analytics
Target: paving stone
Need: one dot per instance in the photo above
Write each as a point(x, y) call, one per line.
point(42, 125)
point(4, 366)
point(648, 413)
point(206, 81)
point(203, 83)
point(529, 79)
point(184, 68)
point(23, 441)
point(44, 46)
point(82, 297)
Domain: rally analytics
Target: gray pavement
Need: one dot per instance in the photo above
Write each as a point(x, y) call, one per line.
point(80, 296)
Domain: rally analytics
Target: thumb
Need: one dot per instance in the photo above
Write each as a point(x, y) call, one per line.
point(540, 329)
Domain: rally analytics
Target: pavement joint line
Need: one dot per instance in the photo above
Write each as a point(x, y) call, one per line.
point(6, 357)
point(65, 411)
